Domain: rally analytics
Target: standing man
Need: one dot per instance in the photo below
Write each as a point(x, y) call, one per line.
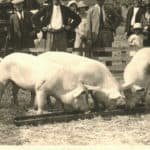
point(101, 25)
point(21, 29)
point(4, 23)
point(21, 34)
point(53, 20)
point(133, 16)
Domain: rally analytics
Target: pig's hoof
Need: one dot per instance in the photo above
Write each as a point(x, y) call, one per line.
point(32, 112)
point(87, 112)
point(130, 107)
point(40, 112)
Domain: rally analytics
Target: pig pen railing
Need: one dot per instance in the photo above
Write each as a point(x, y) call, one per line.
point(115, 58)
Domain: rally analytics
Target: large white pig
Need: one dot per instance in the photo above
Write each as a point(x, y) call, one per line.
point(137, 76)
point(45, 78)
point(95, 75)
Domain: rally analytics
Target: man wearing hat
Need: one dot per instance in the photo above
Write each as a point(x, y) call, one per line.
point(136, 39)
point(73, 5)
point(53, 20)
point(80, 40)
point(134, 15)
point(21, 29)
point(71, 35)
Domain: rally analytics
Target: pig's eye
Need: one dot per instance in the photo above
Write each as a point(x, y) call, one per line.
point(83, 92)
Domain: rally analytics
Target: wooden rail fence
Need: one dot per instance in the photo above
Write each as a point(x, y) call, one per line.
point(115, 58)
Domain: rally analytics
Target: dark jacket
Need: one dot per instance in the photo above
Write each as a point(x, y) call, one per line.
point(43, 17)
point(129, 17)
point(93, 22)
point(21, 32)
point(31, 4)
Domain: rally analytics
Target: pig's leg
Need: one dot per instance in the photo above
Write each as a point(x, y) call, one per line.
point(40, 100)
point(130, 97)
point(2, 89)
point(147, 98)
point(15, 90)
point(94, 100)
point(32, 102)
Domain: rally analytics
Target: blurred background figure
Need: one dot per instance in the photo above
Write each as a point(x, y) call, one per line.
point(4, 23)
point(133, 16)
point(118, 9)
point(73, 6)
point(136, 38)
point(124, 11)
point(145, 20)
point(80, 40)
point(21, 30)
point(102, 21)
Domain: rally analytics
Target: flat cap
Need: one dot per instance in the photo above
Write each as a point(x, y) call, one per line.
point(17, 1)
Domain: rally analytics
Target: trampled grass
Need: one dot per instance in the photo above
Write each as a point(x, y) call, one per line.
point(116, 130)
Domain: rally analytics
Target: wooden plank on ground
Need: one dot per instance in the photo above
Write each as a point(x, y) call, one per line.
point(58, 117)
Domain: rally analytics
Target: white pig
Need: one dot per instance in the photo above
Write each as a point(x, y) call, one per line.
point(45, 78)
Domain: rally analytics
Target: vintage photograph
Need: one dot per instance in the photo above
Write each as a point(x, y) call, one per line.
point(74, 72)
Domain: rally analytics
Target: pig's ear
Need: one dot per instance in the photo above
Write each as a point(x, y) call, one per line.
point(92, 88)
point(79, 90)
point(125, 86)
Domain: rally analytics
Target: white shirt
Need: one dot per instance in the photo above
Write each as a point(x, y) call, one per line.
point(56, 19)
point(135, 10)
point(20, 14)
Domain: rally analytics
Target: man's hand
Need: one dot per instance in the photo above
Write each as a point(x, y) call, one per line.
point(40, 35)
point(45, 29)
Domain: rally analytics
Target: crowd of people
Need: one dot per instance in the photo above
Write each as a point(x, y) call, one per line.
point(54, 26)
point(138, 23)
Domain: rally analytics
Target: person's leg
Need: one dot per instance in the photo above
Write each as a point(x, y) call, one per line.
point(107, 38)
point(49, 41)
point(61, 41)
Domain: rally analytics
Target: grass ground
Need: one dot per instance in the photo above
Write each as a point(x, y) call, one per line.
point(116, 130)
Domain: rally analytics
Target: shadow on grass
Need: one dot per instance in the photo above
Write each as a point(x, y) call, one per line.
point(9, 133)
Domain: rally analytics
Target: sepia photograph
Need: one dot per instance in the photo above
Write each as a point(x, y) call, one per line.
point(74, 73)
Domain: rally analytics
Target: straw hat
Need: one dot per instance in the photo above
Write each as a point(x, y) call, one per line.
point(82, 4)
point(137, 26)
point(17, 1)
point(72, 2)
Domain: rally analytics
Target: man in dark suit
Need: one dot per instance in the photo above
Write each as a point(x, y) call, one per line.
point(133, 16)
point(31, 4)
point(53, 20)
point(21, 29)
